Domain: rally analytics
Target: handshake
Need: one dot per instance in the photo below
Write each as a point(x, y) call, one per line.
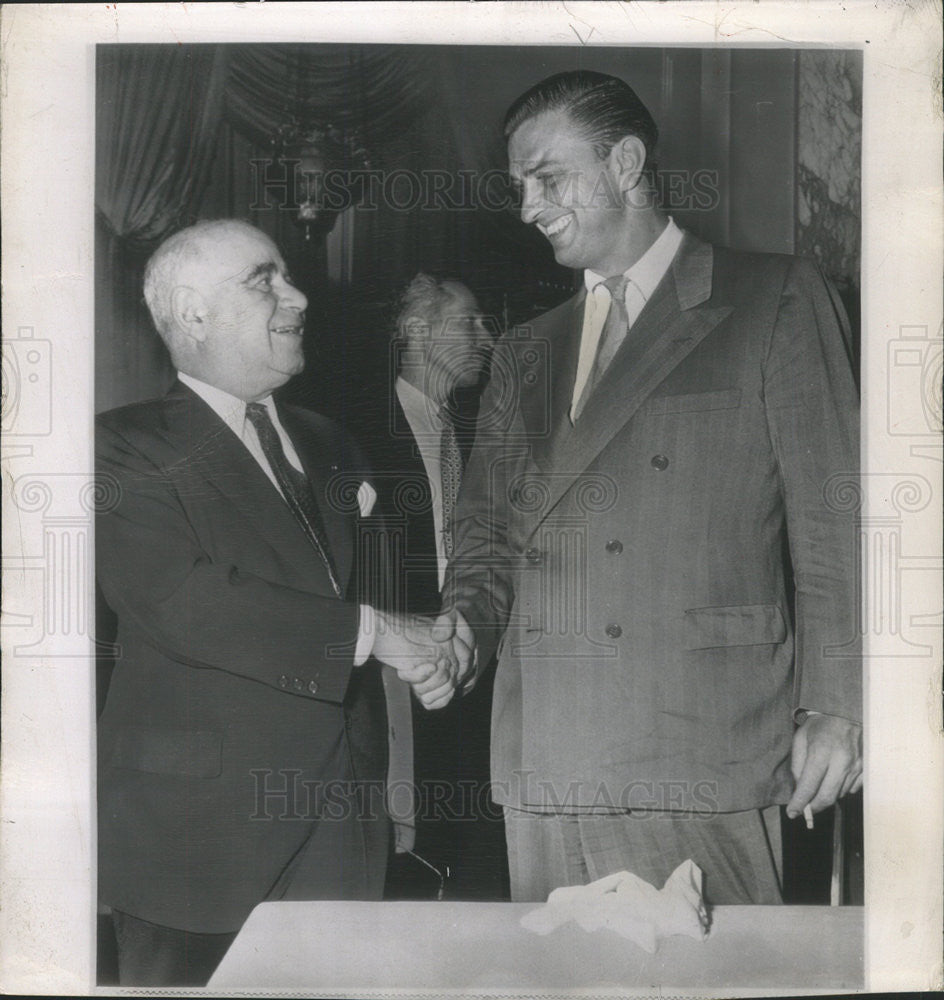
point(433, 655)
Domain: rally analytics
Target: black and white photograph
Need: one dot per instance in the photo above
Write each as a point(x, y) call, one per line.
point(498, 520)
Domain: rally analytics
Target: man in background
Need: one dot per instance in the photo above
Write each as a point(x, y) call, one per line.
point(242, 746)
point(631, 535)
point(418, 438)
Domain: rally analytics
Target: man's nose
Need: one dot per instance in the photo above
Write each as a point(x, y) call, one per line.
point(293, 298)
point(483, 336)
point(530, 200)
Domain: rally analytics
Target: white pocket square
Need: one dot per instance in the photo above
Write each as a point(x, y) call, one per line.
point(366, 498)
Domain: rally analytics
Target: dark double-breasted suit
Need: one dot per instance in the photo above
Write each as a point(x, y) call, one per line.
point(235, 722)
point(670, 578)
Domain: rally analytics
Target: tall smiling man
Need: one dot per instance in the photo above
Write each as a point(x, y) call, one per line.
point(242, 744)
point(654, 546)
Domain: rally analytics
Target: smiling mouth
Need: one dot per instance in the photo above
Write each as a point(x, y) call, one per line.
point(294, 329)
point(557, 226)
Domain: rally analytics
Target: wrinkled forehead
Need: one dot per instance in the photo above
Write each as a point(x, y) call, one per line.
point(230, 255)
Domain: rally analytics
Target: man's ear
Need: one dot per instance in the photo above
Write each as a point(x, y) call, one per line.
point(417, 329)
point(629, 159)
point(189, 310)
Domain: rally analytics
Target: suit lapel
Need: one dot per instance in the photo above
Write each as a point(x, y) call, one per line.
point(215, 455)
point(675, 320)
point(563, 357)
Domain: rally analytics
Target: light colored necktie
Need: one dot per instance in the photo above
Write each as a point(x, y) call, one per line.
point(612, 335)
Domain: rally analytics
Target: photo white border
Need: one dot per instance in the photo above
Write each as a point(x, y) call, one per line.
point(47, 925)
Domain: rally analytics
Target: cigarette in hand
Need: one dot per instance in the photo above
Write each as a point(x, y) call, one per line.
point(808, 816)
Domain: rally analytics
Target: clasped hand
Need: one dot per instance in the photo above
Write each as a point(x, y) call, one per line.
point(434, 656)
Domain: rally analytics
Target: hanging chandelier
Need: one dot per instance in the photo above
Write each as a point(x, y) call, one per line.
point(327, 163)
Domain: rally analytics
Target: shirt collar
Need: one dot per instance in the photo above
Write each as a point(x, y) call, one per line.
point(417, 406)
point(649, 270)
point(229, 408)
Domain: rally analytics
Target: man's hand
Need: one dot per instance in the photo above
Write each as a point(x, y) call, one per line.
point(434, 685)
point(430, 667)
point(826, 762)
point(451, 626)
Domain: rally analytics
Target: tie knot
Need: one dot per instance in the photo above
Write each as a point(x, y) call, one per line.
point(258, 413)
point(616, 286)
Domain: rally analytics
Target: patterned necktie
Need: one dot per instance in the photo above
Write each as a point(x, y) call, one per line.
point(450, 465)
point(613, 333)
point(295, 487)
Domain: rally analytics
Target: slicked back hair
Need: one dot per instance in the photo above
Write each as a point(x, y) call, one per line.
point(602, 107)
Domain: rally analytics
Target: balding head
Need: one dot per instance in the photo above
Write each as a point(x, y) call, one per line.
point(221, 300)
point(172, 265)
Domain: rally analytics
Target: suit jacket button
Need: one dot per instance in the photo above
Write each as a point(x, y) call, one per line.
point(313, 687)
point(298, 684)
point(533, 555)
point(283, 681)
point(614, 631)
point(660, 462)
point(615, 546)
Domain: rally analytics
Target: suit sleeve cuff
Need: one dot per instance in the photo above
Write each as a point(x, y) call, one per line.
point(800, 715)
point(365, 635)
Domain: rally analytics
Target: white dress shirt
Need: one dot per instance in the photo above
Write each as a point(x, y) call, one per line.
point(232, 411)
point(641, 281)
point(422, 414)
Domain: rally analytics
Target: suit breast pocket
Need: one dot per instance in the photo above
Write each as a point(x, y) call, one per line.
point(693, 402)
point(182, 752)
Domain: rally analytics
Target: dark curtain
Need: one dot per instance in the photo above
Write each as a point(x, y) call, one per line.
point(159, 114)
point(158, 118)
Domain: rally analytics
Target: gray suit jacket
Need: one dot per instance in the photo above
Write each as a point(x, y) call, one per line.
point(671, 578)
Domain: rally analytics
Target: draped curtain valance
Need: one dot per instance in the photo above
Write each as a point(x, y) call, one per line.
point(377, 90)
point(161, 108)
